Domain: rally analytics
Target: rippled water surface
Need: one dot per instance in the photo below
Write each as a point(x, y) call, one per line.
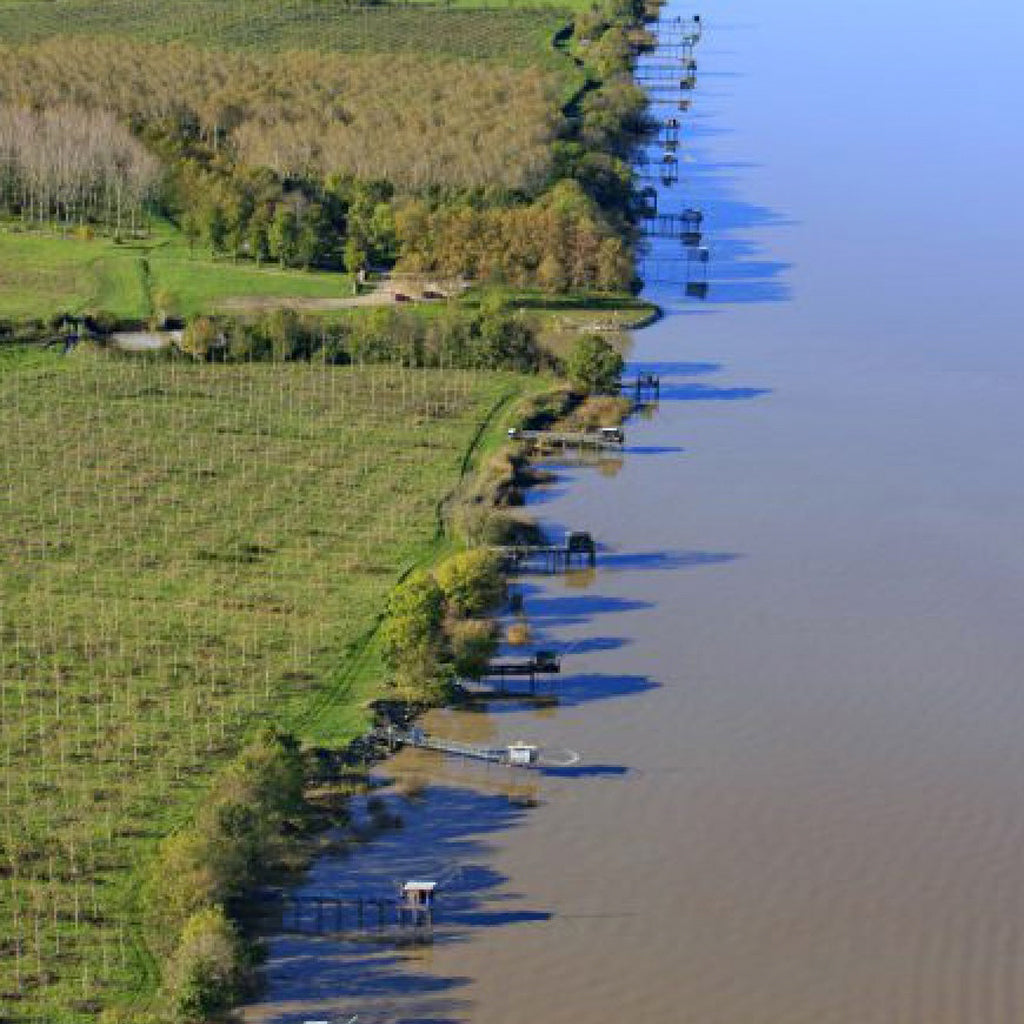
point(797, 682)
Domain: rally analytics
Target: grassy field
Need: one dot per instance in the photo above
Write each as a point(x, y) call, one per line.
point(186, 552)
point(509, 32)
point(44, 274)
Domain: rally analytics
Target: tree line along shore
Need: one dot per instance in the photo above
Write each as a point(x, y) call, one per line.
point(217, 556)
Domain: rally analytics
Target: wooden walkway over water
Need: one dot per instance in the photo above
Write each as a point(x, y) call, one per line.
point(550, 557)
point(603, 437)
point(645, 388)
point(515, 755)
point(402, 918)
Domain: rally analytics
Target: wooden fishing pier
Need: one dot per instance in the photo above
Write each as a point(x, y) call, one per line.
point(681, 32)
point(602, 437)
point(682, 102)
point(492, 684)
point(662, 83)
point(670, 66)
point(667, 175)
point(541, 663)
point(648, 202)
point(645, 387)
point(515, 755)
point(579, 548)
point(684, 227)
point(405, 918)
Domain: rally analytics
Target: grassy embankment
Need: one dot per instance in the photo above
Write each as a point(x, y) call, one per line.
point(188, 552)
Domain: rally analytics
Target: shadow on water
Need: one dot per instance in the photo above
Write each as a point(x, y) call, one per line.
point(575, 691)
point(444, 835)
point(738, 293)
point(734, 273)
point(654, 449)
point(708, 393)
point(666, 368)
point(576, 609)
point(666, 559)
point(589, 771)
point(598, 644)
point(313, 976)
point(543, 494)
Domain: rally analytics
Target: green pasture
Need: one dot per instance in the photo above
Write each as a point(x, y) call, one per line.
point(510, 32)
point(187, 552)
point(44, 274)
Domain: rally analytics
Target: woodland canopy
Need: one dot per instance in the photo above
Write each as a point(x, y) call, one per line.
point(413, 121)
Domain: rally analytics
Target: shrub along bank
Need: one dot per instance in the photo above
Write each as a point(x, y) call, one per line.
point(255, 817)
point(435, 628)
point(249, 824)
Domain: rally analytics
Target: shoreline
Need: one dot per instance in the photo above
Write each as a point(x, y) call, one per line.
point(369, 752)
point(503, 492)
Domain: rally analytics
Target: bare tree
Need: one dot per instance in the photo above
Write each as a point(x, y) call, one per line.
point(70, 166)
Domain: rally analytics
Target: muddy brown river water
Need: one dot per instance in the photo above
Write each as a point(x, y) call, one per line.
point(796, 676)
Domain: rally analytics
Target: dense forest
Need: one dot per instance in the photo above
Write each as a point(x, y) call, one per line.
point(414, 121)
point(312, 158)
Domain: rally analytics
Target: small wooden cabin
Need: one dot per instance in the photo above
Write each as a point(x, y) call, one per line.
point(418, 897)
point(522, 755)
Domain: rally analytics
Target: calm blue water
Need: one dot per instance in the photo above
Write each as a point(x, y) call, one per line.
point(796, 679)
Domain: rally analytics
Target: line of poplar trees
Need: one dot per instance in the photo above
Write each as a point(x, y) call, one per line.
point(73, 167)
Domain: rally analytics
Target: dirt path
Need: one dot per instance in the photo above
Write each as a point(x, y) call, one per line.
point(267, 303)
